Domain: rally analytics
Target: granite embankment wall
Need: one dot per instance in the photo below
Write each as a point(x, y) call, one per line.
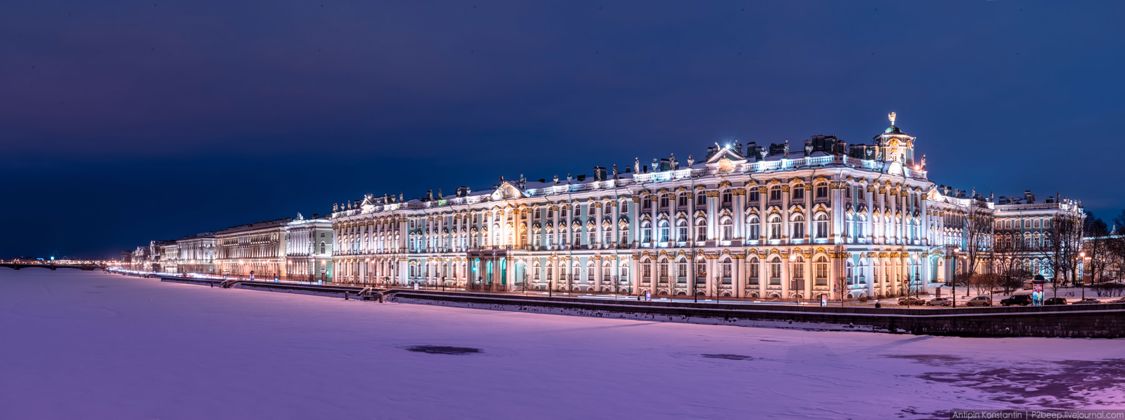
point(1077, 321)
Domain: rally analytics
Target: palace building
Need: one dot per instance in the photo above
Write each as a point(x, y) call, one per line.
point(754, 221)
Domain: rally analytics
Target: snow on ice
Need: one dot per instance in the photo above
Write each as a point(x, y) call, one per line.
point(96, 345)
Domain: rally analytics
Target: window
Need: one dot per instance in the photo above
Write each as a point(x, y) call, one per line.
point(664, 201)
point(798, 226)
point(664, 231)
point(797, 272)
point(646, 272)
point(775, 226)
point(727, 198)
point(726, 229)
point(755, 228)
point(799, 193)
point(700, 230)
point(820, 266)
point(754, 195)
point(646, 232)
point(775, 193)
point(682, 200)
point(646, 203)
point(663, 272)
point(700, 272)
point(700, 200)
point(775, 271)
point(753, 271)
point(727, 270)
point(682, 230)
point(821, 225)
point(822, 191)
point(681, 271)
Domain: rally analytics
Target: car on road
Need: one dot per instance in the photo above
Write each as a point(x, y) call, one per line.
point(1020, 299)
point(908, 301)
point(939, 302)
point(1088, 301)
point(1055, 301)
point(979, 301)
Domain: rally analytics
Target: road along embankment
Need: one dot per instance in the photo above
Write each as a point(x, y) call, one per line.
point(1074, 321)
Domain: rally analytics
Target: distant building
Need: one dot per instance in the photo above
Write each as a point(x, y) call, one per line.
point(308, 249)
point(197, 254)
point(289, 248)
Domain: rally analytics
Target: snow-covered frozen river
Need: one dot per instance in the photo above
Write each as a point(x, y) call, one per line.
point(95, 345)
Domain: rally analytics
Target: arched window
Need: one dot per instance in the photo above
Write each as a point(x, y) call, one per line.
point(646, 231)
point(700, 271)
point(700, 230)
point(754, 227)
point(821, 225)
point(753, 269)
point(820, 268)
point(775, 271)
point(797, 223)
point(727, 270)
point(797, 273)
point(663, 271)
point(681, 271)
point(535, 271)
point(775, 193)
point(682, 230)
point(726, 229)
point(646, 271)
point(665, 231)
point(775, 226)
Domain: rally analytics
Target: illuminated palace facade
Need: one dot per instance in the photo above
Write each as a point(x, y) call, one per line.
point(753, 222)
point(290, 248)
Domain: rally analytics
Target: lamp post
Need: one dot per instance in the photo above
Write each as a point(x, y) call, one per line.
point(1081, 257)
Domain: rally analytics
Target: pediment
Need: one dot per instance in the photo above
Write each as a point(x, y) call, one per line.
point(506, 191)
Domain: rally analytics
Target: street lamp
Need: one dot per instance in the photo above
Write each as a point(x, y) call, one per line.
point(1081, 257)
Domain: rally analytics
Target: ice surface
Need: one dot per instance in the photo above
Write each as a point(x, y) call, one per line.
point(95, 345)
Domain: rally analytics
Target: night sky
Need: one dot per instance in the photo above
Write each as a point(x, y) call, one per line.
point(126, 121)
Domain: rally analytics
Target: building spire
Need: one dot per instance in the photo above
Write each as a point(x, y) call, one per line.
point(892, 117)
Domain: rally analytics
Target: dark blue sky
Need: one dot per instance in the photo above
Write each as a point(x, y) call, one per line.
point(126, 121)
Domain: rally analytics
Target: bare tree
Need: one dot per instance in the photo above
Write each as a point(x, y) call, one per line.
point(978, 238)
point(1095, 247)
point(1062, 242)
point(1007, 248)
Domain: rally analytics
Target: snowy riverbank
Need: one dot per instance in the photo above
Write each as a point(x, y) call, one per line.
point(94, 345)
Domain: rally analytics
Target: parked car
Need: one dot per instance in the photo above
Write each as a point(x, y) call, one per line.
point(1088, 301)
point(909, 300)
point(1055, 301)
point(979, 301)
point(1020, 299)
point(939, 302)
